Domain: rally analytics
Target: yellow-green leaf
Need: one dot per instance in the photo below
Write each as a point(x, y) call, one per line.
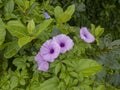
point(11, 50)
point(16, 28)
point(43, 26)
point(88, 67)
point(99, 31)
point(24, 40)
point(58, 11)
point(31, 27)
point(66, 16)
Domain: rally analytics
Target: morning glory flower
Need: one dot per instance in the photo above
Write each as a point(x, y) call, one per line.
point(42, 64)
point(86, 35)
point(38, 57)
point(47, 16)
point(64, 41)
point(50, 50)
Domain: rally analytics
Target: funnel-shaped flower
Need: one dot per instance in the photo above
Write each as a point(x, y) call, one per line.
point(47, 16)
point(65, 42)
point(86, 35)
point(42, 64)
point(50, 50)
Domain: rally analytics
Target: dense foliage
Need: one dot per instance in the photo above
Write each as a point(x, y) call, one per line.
point(87, 66)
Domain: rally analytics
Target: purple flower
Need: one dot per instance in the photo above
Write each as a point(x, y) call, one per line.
point(47, 16)
point(86, 35)
point(50, 50)
point(42, 64)
point(38, 57)
point(64, 42)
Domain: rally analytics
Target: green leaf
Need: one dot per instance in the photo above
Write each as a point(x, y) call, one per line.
point(85, 87)
point(32, 7)
point(22, 81)
point(101, 87)
point(31, 27)
point(58, 68)
point(5, 45)
point(63, 17)
point(74, 82)
point(2, 32)
point(9, 7)
point(13, 82)
point(109, 59)
point(16, 28)
point(67, 79)
point(80, 77)
point(19, 2)
point(20, 63)
point(99, 31)
point(74, 74)
point(24, 72)
point(75, 88)
point(114, 44)
point(1, 1)
point(50, 84)
point(26, 4)
point(107, 39)
point(11, 50)
point(110, 87)
point(66, 16)
point(24, 40)
point(63, 75)
point(9, 16)
point(93, 29)
point(81, 7)
point(88, 67)
point(69, 12)
point(58, 11)
point(61, 86)
point(5, 64)
point(43, 26)
point(114, 79)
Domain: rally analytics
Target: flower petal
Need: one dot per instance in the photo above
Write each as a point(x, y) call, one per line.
point(64, 41)
point(45, 50)
point(47, 16)
point(43, 66)
point(86, 35)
